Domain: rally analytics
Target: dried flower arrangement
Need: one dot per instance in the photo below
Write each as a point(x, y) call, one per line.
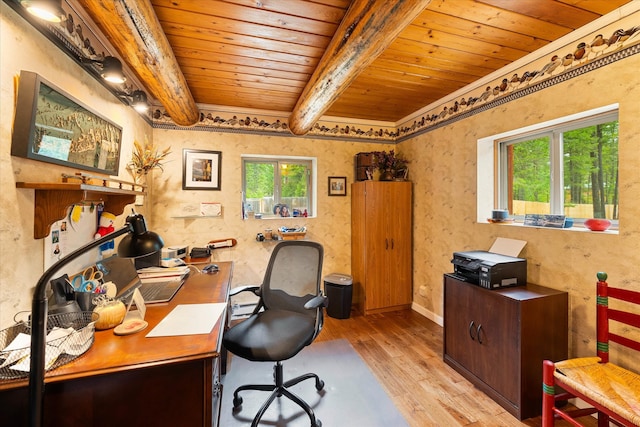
point(146, 157)
point(390, 161)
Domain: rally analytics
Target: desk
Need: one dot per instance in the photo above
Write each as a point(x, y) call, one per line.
point(133, 380)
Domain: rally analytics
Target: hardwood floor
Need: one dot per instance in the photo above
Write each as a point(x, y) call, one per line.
point(404, 351)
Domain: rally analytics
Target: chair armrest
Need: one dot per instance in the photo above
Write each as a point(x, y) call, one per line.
point(316, 302)
point(247, 288)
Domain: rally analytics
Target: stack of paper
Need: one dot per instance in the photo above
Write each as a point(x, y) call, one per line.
point(167, 273)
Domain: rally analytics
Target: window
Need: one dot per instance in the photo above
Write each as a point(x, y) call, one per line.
point(570, 168)
point(567, 166)
point(279, 186)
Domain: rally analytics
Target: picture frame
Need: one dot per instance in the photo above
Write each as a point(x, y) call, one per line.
point(337, 186)
point(201, 169)
point(52, 126)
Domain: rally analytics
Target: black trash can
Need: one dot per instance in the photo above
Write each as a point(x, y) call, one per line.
point(339, 290)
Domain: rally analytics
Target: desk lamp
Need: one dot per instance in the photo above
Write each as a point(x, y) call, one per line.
point(137, 242)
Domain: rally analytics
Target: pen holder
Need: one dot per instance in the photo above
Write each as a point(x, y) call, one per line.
point(85, 300)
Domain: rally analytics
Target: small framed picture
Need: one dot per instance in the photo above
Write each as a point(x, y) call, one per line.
point(337, 185)
point(201, 169)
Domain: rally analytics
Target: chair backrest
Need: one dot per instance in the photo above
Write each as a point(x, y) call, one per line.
point(623, 314)
point(293, 276)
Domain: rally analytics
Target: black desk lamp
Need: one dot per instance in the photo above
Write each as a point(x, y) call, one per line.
point(137, 242)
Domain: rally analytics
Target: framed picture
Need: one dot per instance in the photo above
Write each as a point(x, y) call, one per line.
point(337, 185)
point(201, 169)
point(51, 126)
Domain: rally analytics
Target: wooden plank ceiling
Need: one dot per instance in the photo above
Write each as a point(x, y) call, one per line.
point(260, 54)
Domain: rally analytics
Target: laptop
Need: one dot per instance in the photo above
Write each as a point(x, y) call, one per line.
point(123, 273)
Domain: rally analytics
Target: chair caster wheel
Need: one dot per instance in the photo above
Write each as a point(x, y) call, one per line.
point(237, 402)
point(319, 386)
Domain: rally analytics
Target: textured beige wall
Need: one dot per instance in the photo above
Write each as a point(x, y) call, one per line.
point(331, 227)
point(23, 48)
point(444, 173)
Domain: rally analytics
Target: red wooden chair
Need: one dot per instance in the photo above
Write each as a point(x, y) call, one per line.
point(611, 391)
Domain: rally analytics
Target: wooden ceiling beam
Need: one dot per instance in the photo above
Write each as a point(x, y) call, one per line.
point(134, 30)
point(367, 29)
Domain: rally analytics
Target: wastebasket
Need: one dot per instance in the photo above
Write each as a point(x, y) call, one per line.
point(339, 290)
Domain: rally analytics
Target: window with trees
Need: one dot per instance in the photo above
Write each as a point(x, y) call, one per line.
point(568, 169)
point(278, 187)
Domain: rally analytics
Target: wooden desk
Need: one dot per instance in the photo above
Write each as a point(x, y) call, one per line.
point(133, 380)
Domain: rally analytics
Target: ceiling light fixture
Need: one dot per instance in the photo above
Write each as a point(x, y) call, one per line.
point(112, 70)
point(49, 10)
point(139, 101)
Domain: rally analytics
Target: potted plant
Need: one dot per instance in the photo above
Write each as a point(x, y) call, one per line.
point(391, 165)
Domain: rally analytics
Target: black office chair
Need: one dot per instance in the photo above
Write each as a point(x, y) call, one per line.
point(288, 317)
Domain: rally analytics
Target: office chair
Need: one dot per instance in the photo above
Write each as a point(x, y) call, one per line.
point(288, 317)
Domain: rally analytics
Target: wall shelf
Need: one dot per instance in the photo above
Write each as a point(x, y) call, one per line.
point(195, 216)
point(53, 199)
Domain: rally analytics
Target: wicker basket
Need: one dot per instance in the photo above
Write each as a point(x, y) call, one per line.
point(76, 336)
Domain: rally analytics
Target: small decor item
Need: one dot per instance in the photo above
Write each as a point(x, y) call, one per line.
point(111, 312)
point(337, 186)
point(500, 216)
point(201, 169)
point(391, 165)
point(105, 226)
point(146, 157)
point(386, 175)
point(365, 164)
point(597, 224)
point(541, 220)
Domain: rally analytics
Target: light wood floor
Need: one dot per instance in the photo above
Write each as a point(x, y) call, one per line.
point(404, 351)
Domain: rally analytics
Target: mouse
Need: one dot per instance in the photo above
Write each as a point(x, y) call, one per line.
point(211, 268)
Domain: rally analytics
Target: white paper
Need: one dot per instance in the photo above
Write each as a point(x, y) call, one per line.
point(17, 349)
point(509, 247)
point(189, 319)
point(20, 349)
point(210, 209)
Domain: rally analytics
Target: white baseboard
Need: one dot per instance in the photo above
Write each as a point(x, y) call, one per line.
point(427, 313)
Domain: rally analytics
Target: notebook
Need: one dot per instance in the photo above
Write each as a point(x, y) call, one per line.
point(123, 273)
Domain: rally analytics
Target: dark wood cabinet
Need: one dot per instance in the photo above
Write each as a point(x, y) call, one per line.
point(497, 339)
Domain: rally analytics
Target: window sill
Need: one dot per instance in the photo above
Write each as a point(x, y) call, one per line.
point(282, 218)
point(575, 228)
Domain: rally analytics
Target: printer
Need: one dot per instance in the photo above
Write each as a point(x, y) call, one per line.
point(489, 270)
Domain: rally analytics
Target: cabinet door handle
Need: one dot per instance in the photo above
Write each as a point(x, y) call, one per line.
point(471, 330)
point(386, 244)
point(478, 333)
point(391, 243)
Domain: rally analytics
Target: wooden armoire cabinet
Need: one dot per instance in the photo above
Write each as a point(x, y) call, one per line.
point(381, 245)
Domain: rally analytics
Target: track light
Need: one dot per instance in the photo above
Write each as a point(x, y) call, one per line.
point(49, 10)
point(136, 99)
point(112, 70)
point(139, 102)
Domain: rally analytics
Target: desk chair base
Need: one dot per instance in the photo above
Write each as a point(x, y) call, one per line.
point(278, 389)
